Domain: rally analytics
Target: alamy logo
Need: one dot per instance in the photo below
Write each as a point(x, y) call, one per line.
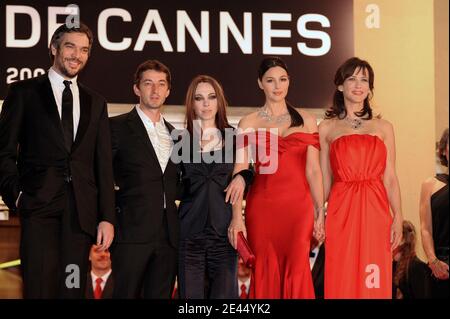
point(373, 277)
point(249, 145)
point(73, 277)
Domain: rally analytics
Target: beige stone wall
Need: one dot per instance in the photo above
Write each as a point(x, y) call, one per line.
point(441, 64)
point(402, 54)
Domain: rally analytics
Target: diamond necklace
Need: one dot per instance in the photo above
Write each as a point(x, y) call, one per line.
point(354, 123)
point(263, 112)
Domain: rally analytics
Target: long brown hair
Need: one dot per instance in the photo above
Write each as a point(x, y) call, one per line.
point(407, 250)
point(442, 146)
point(345, 71)
point(221, 115)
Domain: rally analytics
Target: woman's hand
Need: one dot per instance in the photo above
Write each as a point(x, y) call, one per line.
point(319, 228)
point(396, 232)
point(235, 189)
point(439, 269)
point(236, 225)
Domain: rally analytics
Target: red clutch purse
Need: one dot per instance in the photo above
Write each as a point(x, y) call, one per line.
point(244, 250)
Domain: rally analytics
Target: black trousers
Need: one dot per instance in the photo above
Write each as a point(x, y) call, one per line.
point(207, 268)
point(54, 251)
point(145, 270)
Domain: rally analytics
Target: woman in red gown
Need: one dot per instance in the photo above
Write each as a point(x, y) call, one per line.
point(358, 164)
point(285, 202)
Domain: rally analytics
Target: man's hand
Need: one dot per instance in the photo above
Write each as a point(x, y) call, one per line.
point(17, 200)
point(105, 235)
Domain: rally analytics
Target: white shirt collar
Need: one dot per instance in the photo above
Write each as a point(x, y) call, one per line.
point(104, 277)
point(148, 122)
point(58, 79)
point(246, 282)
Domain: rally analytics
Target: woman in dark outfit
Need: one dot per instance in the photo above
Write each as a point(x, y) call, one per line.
point(434, 213)
point(207, 261)
point(411, 275)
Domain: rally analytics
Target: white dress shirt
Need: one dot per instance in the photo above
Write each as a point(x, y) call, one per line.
point(247, 286)
point(104, 279)
point(57, 83)
point(312, 260)
point(159, 137)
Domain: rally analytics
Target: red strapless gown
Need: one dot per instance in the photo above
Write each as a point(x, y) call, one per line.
point(358, 259)
point(279, 220)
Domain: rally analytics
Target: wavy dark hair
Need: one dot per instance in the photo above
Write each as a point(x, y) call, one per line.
point(63, 29)
point(345, 71)
point(408, 252)
point(442, 146)
point(271, 62)
point(221, 115)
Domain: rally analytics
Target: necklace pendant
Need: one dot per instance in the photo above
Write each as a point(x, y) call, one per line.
point(272, 118)
point(354, 123)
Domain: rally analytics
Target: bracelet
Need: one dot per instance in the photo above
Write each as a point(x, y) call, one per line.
point(434, 262)
point(247, 175)
point(320, 209)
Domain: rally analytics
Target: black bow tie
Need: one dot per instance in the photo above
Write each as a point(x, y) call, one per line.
point(312, 254)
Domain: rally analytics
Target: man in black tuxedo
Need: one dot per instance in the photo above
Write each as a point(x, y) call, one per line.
point(145, 249)
point(56, 169)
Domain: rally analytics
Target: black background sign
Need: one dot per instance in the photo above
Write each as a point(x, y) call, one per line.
point(111, 72)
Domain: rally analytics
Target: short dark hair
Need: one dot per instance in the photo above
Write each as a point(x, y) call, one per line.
point(442, 146)
point(63, 29)
point(152, 65)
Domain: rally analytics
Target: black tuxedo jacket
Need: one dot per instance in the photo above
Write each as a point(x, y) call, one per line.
point(203, 197)
point(34, 159)
point(141, 185)
point(107, 292)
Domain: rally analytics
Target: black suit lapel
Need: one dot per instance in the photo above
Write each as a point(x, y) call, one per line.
point(136, 125)
point(109, 288)
point(175, 139)
point(89, 289)
point(169, 126)
point(49, 104)
point(85, 116)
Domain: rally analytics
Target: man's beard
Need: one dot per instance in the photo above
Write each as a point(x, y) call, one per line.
point(62, 68)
